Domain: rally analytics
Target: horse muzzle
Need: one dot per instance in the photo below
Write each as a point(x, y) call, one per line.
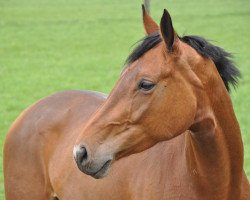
point(97, 168)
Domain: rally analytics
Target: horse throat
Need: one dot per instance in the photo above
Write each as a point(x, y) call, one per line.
point(215, 149)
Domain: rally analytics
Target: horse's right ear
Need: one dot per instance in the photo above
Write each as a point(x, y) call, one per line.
point(149, 24)
point(167, 31)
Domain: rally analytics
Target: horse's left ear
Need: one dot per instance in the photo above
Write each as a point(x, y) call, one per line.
point(167, 31)
point(150, 25)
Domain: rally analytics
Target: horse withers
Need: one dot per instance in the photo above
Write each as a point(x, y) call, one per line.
point(166, 131)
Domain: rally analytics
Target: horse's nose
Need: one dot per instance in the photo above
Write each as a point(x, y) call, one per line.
point(81, 155)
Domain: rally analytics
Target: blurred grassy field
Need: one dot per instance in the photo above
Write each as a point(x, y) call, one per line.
point(48, 46)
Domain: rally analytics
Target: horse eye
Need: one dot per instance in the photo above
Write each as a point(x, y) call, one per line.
point(146, 85)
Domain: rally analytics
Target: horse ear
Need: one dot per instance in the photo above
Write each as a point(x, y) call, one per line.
point(167, 30)
point(150, 25)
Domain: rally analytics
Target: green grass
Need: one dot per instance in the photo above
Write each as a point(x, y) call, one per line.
point(48, 46)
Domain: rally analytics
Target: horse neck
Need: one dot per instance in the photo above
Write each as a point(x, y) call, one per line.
point(215, 144)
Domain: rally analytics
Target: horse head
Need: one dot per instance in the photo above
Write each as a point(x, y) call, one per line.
point(161, 93)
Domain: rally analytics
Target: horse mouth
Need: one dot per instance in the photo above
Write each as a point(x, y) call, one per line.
point(102, 172)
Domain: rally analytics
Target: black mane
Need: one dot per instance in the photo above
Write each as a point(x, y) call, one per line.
point(144, 46)
point(222, 59)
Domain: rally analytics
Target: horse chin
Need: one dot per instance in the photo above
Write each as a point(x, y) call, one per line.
point(103, 171)
point(98, 173)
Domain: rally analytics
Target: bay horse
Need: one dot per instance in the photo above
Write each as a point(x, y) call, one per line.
point(167, 130)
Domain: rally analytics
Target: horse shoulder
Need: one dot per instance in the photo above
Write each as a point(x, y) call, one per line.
point(40, 131)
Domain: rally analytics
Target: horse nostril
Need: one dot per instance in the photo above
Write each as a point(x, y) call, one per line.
point(81, 154)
